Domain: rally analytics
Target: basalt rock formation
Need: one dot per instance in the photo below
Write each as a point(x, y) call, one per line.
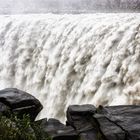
point(20, 102)
point(84, 122)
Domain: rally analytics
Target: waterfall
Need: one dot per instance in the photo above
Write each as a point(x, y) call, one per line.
point(72, 59)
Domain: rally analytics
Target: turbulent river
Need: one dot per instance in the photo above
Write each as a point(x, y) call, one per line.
point(72, 59)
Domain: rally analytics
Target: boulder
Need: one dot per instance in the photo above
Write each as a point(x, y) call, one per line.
point(127, 118)
point(76, 116)
point(58, 131)
point(109, 129)
point(20, 102)
point(80, 117)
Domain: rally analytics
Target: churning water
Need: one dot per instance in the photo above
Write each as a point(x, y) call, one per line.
point(72, 59)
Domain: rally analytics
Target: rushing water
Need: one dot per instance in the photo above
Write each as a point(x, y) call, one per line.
point(72, 59)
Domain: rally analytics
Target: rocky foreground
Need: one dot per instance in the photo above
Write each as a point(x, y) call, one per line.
point(84, 122)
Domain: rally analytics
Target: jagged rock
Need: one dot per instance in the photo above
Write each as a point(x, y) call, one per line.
point(20, 102)
point(58, 131)
point(42, 122)
point(76, 116)
point(127, 118)
point(81, 118)
point(109, 129)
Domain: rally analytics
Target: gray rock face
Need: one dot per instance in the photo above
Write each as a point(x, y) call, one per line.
point(81, 118)
point(105, 123)
point(20, 102)
point(78, 115)
point(110, 130)
point(58, 131)
point(125, 118)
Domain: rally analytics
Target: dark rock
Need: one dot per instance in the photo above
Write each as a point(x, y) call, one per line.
point(42, 122)
point(20, 102)
point(58, 131)
point(110, 130)
point(91, 134)
point(76, 116)
point(127, 118)
point(109, 123)
point(4, 109)
point(81, 118)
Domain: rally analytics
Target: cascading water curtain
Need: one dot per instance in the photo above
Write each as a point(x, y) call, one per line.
point(72, 59)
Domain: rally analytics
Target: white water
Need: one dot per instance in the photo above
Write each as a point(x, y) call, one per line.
point(72, 59)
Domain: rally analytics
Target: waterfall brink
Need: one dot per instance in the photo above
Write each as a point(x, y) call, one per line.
point(72, 59)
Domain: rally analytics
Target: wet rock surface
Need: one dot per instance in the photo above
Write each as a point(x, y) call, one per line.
point(20, 102)
point(126, 118)
point(84, 122)
point(59, 131)
point(81, 118)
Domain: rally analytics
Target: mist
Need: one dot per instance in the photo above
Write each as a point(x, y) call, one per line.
point(68, 6)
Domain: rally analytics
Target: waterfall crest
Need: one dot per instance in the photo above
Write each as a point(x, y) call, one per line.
point(72, 59)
